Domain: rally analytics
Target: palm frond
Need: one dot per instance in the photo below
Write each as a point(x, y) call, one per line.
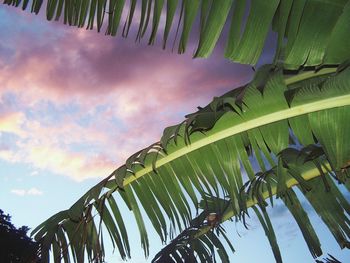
point(188, 248)
point(300, 168)
point(309, 33)
point(249, 130)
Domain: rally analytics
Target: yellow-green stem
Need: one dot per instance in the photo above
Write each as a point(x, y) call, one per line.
point(283, 114)
point(307, 175)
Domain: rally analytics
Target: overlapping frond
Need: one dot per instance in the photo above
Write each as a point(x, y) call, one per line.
point(321, 192)
point(310, 171)
point(309, 33)
point(246, 135)
point(186, 247)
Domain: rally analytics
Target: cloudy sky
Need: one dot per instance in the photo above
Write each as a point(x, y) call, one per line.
point(75, 104)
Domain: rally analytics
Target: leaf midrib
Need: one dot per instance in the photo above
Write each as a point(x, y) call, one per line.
point(324, 104)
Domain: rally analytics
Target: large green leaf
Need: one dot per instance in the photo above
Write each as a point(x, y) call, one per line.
point(309, 33)
point(214, 152)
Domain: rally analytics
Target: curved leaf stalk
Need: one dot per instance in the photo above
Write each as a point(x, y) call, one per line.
point(307, 175)
point(331, 205)
point(228, 123)
point(327, 103)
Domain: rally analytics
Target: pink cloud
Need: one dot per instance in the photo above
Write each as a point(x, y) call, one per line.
point(124, 95)
point(82, 63)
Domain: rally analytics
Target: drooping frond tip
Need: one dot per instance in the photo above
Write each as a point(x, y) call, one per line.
point(307, 33)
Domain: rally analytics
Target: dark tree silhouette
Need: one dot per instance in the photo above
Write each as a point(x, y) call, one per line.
point(15, 245)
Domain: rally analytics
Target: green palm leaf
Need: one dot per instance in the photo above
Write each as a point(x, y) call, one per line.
point(329, 203)
point(309, 33)
point(218, 148)
point(247, 139)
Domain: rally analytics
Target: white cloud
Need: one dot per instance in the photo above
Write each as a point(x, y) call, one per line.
point(34, 173)
point(20, 192)
point(34, 191)
point(23, 192)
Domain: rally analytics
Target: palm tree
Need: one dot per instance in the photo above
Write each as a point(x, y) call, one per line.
point(285, 129)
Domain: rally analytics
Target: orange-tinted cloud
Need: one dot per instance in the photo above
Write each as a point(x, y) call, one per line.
point(11, 122)
point(75, 165)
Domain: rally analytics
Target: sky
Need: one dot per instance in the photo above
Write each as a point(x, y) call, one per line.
point(75, 104)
